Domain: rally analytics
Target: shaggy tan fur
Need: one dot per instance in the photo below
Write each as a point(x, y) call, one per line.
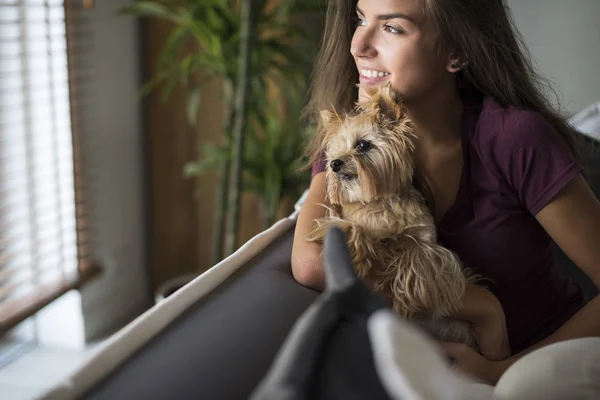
point(390, 231)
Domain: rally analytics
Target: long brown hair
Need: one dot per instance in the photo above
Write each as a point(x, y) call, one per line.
point(481, 32)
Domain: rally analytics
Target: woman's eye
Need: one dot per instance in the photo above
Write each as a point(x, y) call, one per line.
point(363, 146)
point(360, 22)
point(391, 29)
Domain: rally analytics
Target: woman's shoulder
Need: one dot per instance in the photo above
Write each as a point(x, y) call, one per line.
point(501, 132)
point(508, 128)
point(523, 150)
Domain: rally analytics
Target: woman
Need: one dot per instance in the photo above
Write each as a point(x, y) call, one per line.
point(499, 162)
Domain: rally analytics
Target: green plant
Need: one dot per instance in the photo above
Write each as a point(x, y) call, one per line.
point(269, 139)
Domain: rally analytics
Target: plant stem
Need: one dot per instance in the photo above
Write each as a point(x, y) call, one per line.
point(268, 218)
point(221, 198)
point(239, 128)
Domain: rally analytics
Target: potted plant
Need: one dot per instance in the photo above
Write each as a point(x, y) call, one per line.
point(262, 56)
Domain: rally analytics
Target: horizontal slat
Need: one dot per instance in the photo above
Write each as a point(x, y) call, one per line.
point(55, 170)
point(13, 213)
point(21, 250)
point(21, 196)
point(40, 265)
point(43, 269)
point(17, 82)
point(48, 30)
point(41, 247)
point(12, 114)
point(37, 22)
point(57, 221)
point(30, 36)
point(32, 3)
point(48, 177)
point(17, 265)
point(42, 226)
point(17, 135)
point(15, 66)
point(28, 239)
point(84, 106)
point(39, 268)
point(31, 58)
point(57, 141)
point(83, 75)
point(43, 97)
point(21, 199)
point(12, 312)
point(17, 145)
point(37, 275)
point(61, 218)
point(46, 80)
point(16, 118)
point(19, 269)
point(38, 272)
point(11, 49)
point(8, 14)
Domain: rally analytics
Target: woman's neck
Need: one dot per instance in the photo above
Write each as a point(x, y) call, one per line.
point(438, 119)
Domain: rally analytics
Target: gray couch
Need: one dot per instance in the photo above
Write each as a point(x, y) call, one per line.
point(223, 345)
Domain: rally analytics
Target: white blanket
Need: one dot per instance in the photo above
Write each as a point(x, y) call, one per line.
point(587, 121)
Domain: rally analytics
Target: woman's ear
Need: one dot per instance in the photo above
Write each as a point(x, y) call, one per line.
point(455, 63)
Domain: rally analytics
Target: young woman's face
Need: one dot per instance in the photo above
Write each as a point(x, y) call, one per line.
point(394, 42)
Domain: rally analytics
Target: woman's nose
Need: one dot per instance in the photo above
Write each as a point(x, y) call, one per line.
point(362, 44)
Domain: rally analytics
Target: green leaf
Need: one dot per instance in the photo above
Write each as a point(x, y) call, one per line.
point(282, 54)
point(193, 106)
point(200, 167)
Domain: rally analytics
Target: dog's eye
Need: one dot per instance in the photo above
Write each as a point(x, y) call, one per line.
point(362, 146)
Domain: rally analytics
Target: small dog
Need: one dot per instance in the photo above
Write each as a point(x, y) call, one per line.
point(390, 231)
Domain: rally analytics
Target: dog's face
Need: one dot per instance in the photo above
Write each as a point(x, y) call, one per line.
point(369, 153)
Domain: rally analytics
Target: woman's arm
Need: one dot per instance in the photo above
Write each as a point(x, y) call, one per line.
point(485, 314)
point(572, 219)
point(306, 256)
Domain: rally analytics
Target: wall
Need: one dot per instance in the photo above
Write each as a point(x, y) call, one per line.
point(564, 39)
point(111, 124)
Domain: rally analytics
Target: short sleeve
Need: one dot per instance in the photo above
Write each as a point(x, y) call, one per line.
point(535, 159)
point(318, 165)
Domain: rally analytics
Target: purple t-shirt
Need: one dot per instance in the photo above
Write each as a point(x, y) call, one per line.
point(514, 164)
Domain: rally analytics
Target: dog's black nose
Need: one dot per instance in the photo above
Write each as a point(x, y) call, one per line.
point(336, 165)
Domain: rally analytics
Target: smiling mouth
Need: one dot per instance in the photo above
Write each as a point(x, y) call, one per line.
point(371, 77)
point(368, 73)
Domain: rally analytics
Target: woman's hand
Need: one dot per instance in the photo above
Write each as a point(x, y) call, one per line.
point(485, 314)
point(469, 362)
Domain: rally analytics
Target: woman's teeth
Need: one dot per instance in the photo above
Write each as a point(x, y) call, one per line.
point(373, 74)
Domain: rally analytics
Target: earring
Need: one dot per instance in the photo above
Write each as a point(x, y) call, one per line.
point(460, 65)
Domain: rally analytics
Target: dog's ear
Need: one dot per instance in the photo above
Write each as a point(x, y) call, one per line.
point(331, 121)
point(383, 101)
point(387, 101)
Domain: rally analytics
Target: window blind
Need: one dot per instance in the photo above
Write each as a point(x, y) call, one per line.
point(44, 250)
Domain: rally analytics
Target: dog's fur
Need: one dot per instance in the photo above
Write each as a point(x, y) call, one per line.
point(390, 230)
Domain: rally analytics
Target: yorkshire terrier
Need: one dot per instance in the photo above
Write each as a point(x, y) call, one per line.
point(390, 230)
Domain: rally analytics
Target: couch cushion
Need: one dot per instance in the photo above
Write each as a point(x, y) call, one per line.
point(223, 345)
